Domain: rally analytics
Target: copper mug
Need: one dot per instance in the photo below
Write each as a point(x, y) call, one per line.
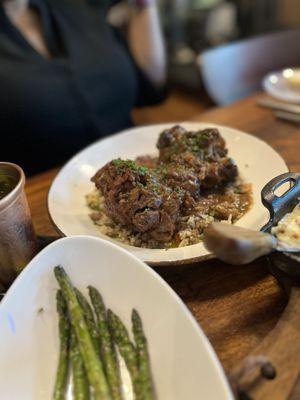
point(17, 238)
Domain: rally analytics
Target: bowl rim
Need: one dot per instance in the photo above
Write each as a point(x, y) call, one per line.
point(218, 368)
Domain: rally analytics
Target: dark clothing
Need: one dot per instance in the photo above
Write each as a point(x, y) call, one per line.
point(51, 108)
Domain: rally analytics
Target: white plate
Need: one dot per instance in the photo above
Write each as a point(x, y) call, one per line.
point(257, 162)
point(276, 84)
point(183, 362)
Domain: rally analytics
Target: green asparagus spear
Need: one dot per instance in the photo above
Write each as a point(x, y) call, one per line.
point(81, 389)
point(92, 362)
point(126, 348)
point(64, 338)
point(145, 376)
point(108, 352)
point(89, 319)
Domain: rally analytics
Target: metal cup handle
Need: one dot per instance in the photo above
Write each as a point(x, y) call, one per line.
point(278, 206)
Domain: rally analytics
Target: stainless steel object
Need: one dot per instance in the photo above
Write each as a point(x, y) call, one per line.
point(17, 238)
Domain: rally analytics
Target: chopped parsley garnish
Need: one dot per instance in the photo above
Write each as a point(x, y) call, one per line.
point(120, 164)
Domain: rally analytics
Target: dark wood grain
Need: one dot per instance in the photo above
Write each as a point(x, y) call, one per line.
point(281, 347)
point(236, 306)
point(246, 115)
point(179, 106)
point(37, 189)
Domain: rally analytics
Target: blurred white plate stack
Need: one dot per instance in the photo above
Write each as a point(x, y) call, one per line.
point(284, 85)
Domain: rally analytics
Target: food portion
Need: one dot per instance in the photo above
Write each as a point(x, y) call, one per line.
point(135, 197)
point(288, 229)
point(200, 157)
point(168, 200)
point(90, 339)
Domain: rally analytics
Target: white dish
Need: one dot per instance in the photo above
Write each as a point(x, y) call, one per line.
point(277, 85)
point(257, 162)
point(183, 362)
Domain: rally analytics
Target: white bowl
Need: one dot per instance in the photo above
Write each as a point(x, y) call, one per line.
point(258, 163)
point(283, 85)
point(183, 362)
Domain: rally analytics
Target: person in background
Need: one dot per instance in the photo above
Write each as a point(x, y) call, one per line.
point(68, 78)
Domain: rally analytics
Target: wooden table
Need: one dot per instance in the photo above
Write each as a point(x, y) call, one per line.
point(236, 306)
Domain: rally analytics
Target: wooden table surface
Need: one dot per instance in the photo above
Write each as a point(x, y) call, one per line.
point(236, 306)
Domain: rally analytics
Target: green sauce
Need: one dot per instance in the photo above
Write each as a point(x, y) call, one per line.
point(7, 184)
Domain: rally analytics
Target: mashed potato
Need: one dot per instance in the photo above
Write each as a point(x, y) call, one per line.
point(288, 229)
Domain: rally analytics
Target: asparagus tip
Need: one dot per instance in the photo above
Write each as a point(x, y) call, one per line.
point(135, 315)
point(93, 291)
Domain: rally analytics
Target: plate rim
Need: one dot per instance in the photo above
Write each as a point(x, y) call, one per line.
point(266, 86)
point(219, 370)
point(161, 263)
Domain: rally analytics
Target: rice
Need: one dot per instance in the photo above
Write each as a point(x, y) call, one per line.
point(228, 205)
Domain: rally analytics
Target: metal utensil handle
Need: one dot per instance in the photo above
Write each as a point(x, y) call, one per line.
point(278, 206)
